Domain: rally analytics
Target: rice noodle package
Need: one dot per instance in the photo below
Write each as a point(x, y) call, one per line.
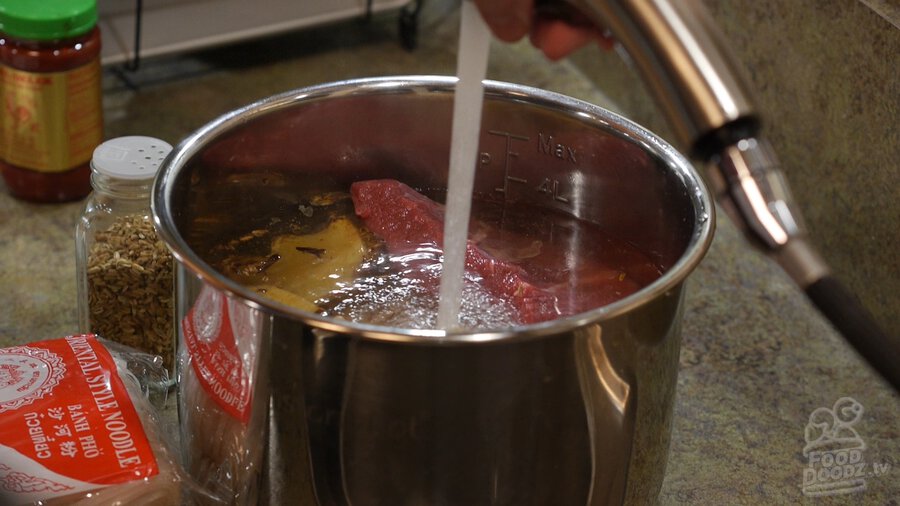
point(76, 428)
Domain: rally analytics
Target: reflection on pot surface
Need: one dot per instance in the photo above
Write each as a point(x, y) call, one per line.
point(218, 380)
point(560, 389)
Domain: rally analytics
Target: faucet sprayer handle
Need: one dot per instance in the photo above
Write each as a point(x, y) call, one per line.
point(750, 188)
point(698, 84)
point(682, 59)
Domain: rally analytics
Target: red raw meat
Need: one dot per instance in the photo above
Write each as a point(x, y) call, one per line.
point(404, 219)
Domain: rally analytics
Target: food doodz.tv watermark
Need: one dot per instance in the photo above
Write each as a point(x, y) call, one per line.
point(835, 452)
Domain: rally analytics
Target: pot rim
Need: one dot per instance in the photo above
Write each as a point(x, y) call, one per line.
point(704, 223)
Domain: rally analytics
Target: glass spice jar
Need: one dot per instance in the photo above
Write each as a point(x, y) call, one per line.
point(125, 272)
point(50, 94)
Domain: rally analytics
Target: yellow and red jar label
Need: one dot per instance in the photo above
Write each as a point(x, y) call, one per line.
point(50, 121)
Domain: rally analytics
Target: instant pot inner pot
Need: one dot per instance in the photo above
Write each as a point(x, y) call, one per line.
point(550, 155)
point(574, 411)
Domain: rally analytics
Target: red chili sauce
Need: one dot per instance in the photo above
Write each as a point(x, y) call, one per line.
point(39, 58)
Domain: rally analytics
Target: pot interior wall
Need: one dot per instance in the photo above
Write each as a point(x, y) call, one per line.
point(530, 152)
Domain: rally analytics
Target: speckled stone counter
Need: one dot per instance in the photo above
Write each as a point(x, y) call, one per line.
point(756, 360)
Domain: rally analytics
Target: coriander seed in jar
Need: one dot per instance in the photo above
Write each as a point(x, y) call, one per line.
point(124, 271)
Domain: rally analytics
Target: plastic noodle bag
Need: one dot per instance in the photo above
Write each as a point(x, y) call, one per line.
point(76, 427)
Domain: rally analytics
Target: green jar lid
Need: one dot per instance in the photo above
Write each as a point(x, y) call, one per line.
point(47, 19)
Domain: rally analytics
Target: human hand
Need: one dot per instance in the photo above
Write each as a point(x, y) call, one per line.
point(510, 20)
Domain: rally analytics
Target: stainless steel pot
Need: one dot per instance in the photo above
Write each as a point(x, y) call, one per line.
point(280, 405)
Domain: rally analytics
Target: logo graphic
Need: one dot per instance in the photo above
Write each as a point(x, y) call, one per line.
point(19, 482)
point(26, 375)
point(207, 315)
point(834, 450)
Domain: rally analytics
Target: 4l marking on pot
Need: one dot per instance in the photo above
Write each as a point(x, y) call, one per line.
point(548, 186)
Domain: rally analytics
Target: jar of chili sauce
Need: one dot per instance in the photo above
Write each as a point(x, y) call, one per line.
point(52, 114)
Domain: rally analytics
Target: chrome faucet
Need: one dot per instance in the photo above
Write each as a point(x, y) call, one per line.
point(698, 84)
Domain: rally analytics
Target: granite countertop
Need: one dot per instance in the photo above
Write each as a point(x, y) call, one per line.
point(756, 358)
